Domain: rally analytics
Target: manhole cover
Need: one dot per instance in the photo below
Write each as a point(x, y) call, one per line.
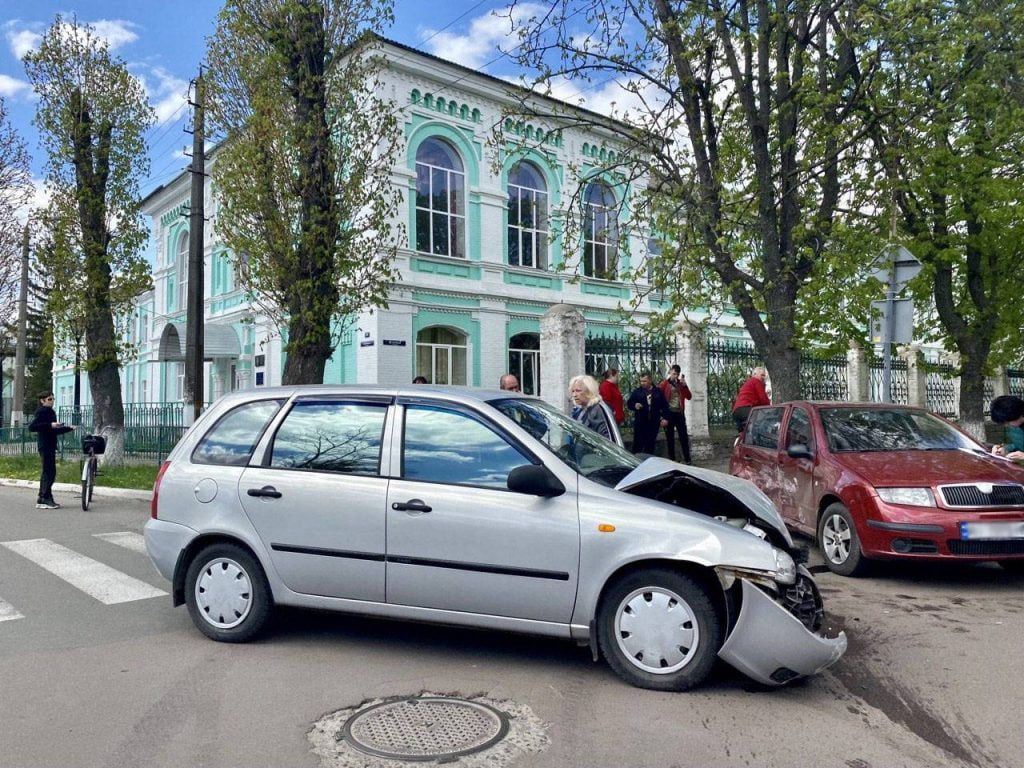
point(425, 728)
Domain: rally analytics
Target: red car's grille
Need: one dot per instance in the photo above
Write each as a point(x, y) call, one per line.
point(958, 547)
point(974, 495)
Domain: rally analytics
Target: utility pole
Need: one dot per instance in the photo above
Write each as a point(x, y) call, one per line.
point(17, 405)
point(194, 306)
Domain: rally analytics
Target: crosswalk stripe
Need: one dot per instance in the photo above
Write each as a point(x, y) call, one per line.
point(97, 580)
point(8, 611)
point(133, 541)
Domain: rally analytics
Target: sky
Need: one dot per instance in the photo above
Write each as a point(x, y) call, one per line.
point(163, 44)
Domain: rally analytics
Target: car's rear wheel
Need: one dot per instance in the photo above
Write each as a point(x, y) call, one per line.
point(659, 629)
point(227, 594)
point(839, 543)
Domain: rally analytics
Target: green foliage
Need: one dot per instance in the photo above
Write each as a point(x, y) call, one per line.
point(303, 177)
point(137, 476)
point(15, 191)
point(91, 115)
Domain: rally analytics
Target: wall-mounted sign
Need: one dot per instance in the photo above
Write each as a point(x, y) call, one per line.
point(394, 342)
point(366, 343)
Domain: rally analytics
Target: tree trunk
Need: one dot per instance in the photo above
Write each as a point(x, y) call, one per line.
point(972, 394)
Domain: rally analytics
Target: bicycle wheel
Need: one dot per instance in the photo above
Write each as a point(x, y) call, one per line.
point(88, 479)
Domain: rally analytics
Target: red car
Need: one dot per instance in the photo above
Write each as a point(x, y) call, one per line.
point(880, 481)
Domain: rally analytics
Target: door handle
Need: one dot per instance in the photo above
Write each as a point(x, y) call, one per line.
point(267, 492)
point(747, 457)
point(412, 505)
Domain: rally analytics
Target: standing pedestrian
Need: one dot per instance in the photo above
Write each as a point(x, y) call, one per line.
point(508, 382)
point(1009, 411)
point(586, 405)
point(612, 395)
point(676, 394)
point(650, 411)
point(752, 393)
point(47, 428)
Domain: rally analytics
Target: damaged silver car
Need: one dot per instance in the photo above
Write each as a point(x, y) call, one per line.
point(477, 508)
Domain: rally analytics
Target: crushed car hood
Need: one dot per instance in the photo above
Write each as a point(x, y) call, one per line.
point(655, 470)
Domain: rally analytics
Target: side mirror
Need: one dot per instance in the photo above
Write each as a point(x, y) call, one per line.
point(535, 480)
point(799, 451)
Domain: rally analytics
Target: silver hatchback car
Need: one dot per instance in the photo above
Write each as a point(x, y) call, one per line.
point(484, 509)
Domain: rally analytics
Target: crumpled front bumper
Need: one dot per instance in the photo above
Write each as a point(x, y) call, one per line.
point(771, 646)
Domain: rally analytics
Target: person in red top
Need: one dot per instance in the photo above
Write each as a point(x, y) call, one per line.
point(753, 392)
point(611, 394)
point(676, 394)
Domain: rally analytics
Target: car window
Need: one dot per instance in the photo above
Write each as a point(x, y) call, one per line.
point(896, 429)
point(444, 446)
point(331, 436)
point(231, 440)
point(763, 428)
point(799, 429)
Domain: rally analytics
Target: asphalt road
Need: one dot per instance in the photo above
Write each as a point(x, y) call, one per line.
point(933, 676)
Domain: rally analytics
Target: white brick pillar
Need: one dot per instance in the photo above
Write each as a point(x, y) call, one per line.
point(917, 378)
point(1000, 384)
point(561, 352)
point(858, 373)
point(693, 359)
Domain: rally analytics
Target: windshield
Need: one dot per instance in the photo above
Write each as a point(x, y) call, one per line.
point(581, 448)
point(880, 429)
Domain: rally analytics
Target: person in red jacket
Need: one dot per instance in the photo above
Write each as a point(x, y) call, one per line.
point(676, 394)
point(753, 392)
point(611, 394)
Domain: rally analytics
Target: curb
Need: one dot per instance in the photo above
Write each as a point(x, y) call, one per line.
point(99, 490)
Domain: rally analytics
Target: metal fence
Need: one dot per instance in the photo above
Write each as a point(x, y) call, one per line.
point(729, 364)
point(151, 443)
point(899, 386)
point(630, 355)
point(940, 390)
point(135, 415)
point(1015, 377)
point(824, 378)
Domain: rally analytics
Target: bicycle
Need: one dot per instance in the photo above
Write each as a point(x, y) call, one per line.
point(92, 446)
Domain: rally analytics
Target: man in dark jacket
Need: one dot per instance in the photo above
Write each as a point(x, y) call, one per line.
point(47, 428)
point(676, 394)
point(650, 414)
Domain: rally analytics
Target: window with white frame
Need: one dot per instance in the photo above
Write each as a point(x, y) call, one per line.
point(524, 361)
point(441, 355)
point(179, 381)
point(181, 270)
point(440, 200)
point(527, 217)
point(600, 232)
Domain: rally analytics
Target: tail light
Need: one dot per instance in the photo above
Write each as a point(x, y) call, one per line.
point(156, 489)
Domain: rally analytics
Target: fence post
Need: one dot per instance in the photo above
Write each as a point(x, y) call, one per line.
point(1000, 384)
point(953, 359)
point(693, 359)
point(858, 374)
point(917, 379)
point(561, 352)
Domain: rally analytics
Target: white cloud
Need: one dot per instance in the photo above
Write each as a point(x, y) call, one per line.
point(10, 86)
point(481, 42)
point(21, 40)
point(116, 32)
point(167, 94)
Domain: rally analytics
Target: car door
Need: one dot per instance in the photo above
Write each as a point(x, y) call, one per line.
point(759, 452)
point(796, 474)
point(458, 539)
point(318, 498)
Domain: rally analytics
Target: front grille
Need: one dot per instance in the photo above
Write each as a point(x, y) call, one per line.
point(995, 548)
point(803, 600)
point(972, 495)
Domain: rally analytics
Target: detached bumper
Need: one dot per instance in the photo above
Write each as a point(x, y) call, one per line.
point(771, 646)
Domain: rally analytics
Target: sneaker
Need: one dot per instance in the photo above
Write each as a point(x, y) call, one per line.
point(48, 505)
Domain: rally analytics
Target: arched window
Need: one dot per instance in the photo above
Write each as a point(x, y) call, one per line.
point(181, 270)
point(524, 361)
point(440, 200)
point(441, 355)
point(600, 232)
point(527, 217)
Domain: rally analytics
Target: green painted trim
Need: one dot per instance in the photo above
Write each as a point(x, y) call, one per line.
point(517, 325)
point(174, 213)
point(427, 297)
point(474, 245)
point(553, 175)
point(604, 289)
point(597, 316)
point(468, 147)
point(534, 133)
point(540, 280)
point(448, 107)
point(460, 320)
point(526, 309)
point(446, 268)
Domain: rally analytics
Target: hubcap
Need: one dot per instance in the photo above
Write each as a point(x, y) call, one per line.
point(224, 593)
point(656, 630)
point(835, 539)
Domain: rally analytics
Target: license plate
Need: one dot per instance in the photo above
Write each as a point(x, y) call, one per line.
point(1002, 530)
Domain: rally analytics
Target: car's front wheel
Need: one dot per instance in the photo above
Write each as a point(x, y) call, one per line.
point(659, 629)
point(227, 593)
point(840, 545)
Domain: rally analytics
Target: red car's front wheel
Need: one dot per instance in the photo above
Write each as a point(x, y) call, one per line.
point(839, 543)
